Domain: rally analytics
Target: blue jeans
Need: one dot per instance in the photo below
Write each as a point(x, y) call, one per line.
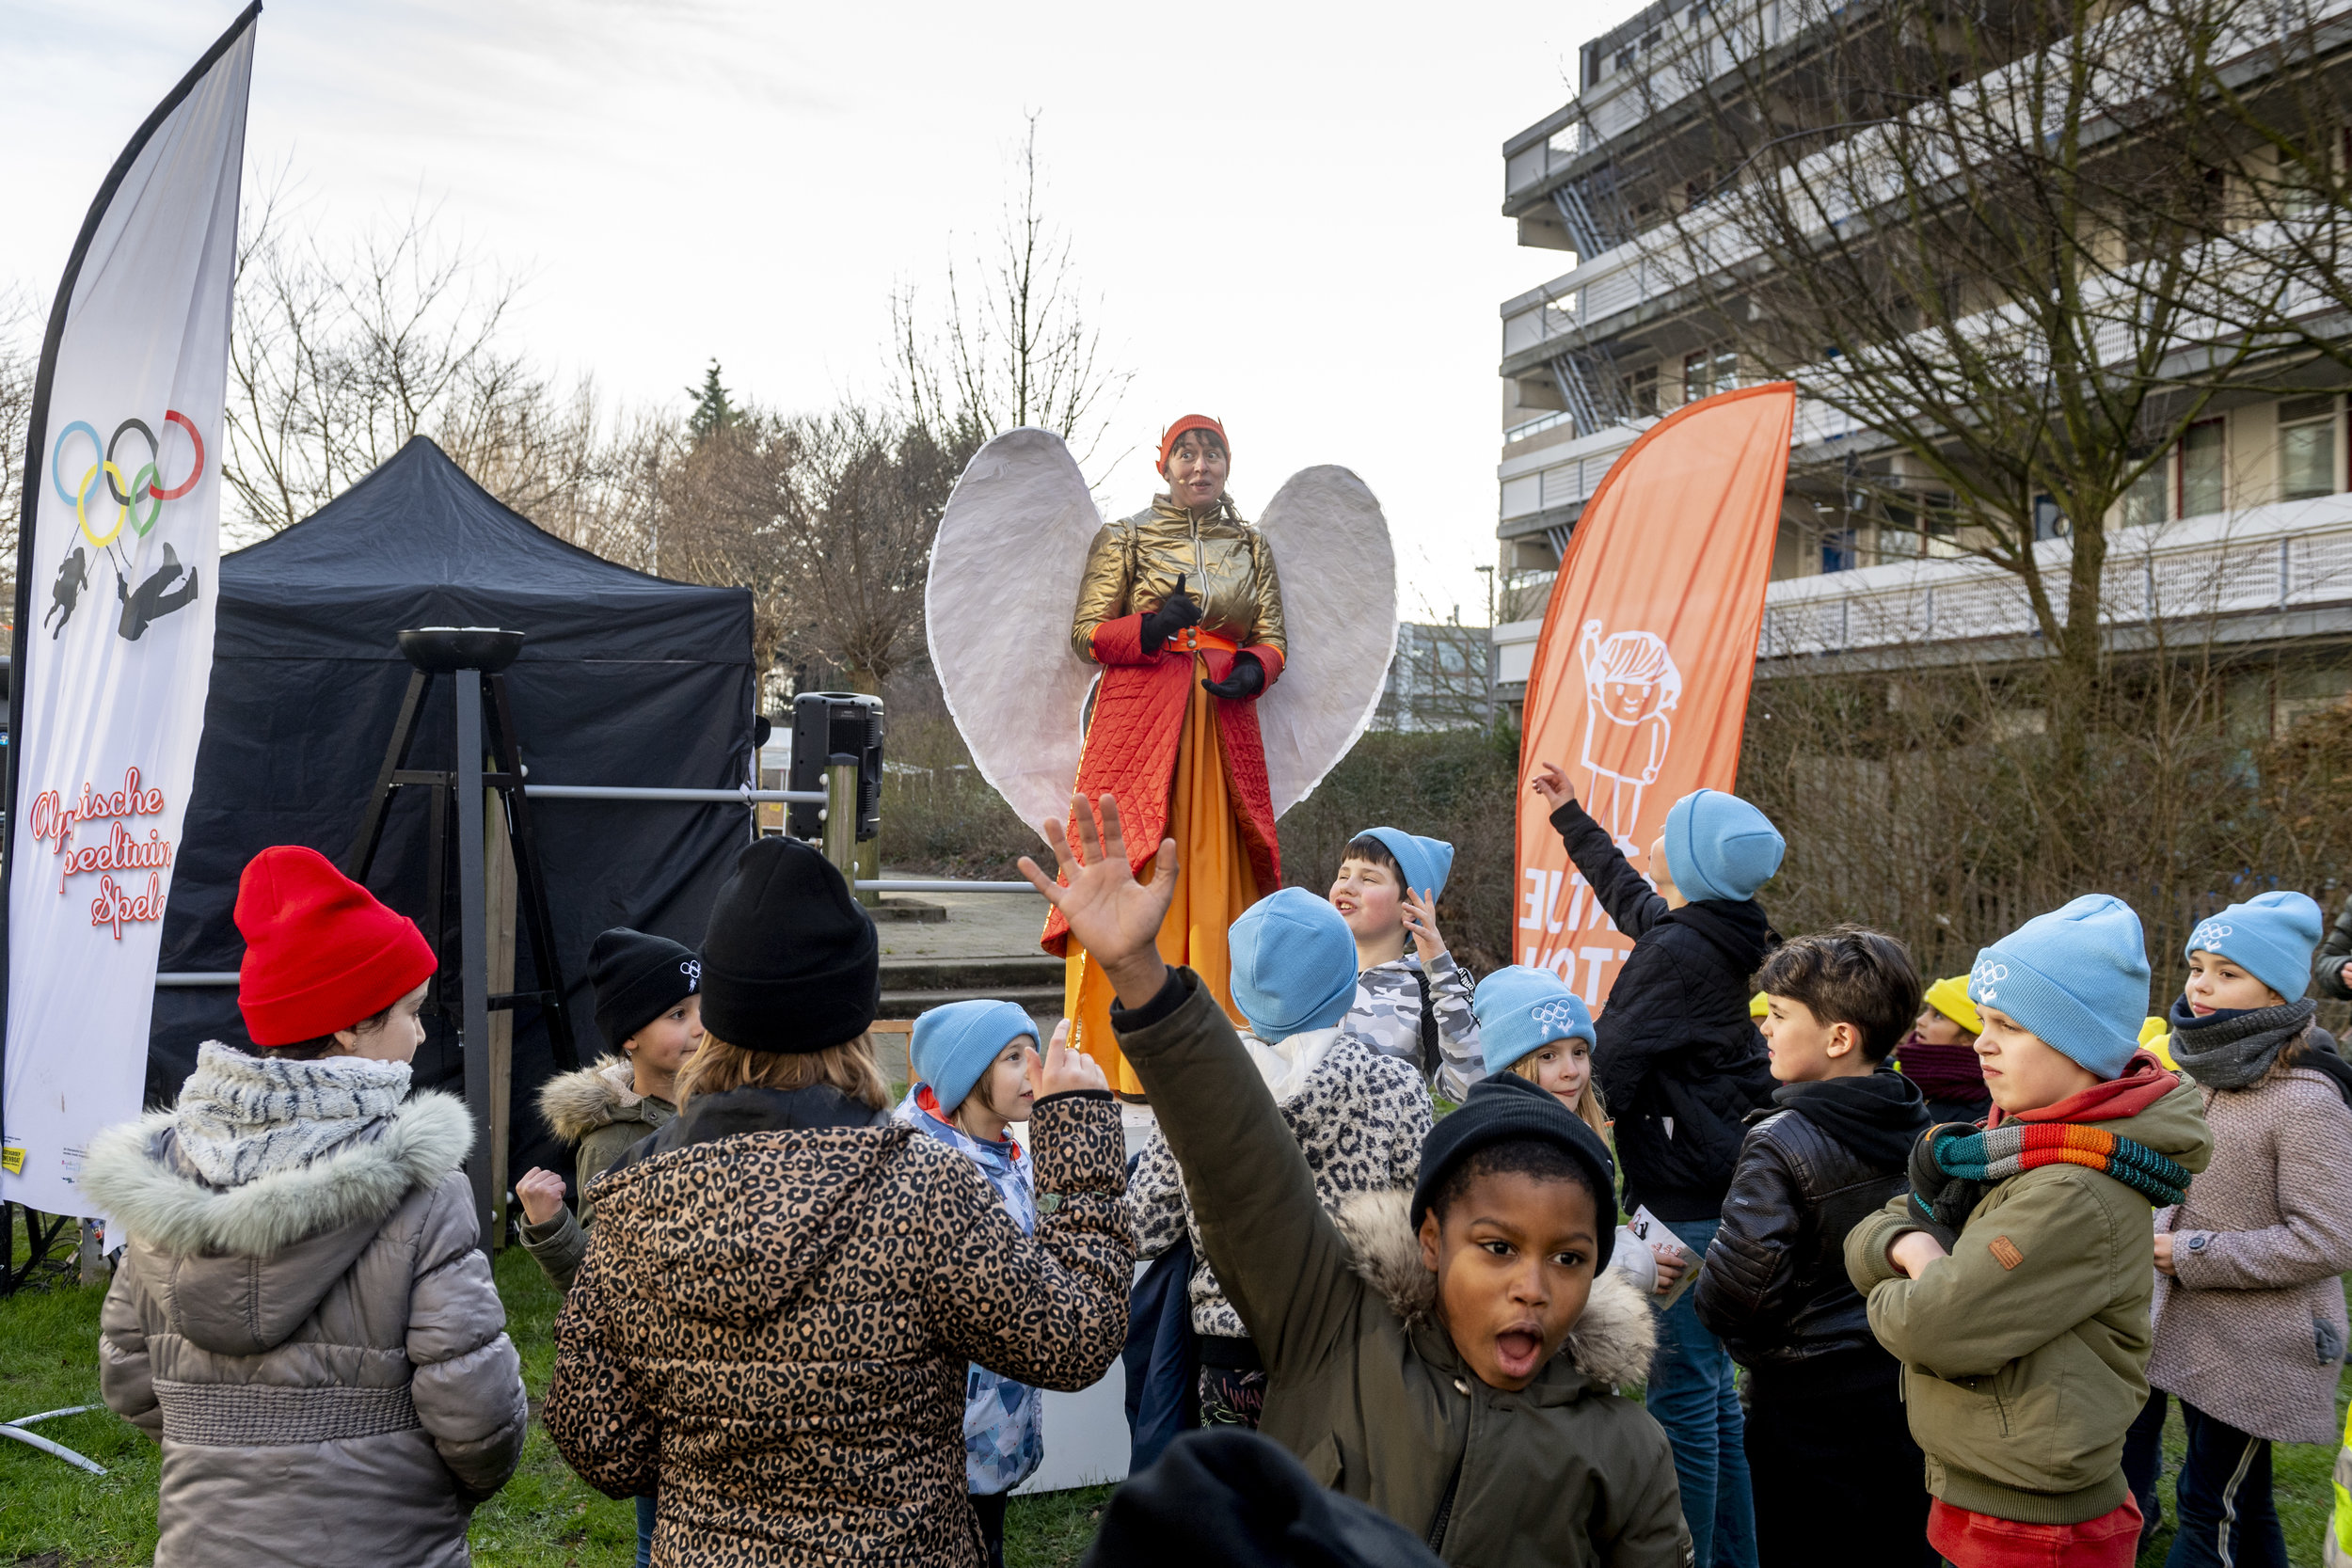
point(645, 1531)
point(1692, 1396)
point(2222, 1504)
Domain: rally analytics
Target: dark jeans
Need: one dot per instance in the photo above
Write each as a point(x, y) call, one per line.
point(990, 1506)
point(2223, 1515)
point(1692, 1394)
point(645, 1531)
point(1838, 1482)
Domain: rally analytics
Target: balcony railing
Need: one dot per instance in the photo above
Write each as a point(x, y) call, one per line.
point(2289, 555)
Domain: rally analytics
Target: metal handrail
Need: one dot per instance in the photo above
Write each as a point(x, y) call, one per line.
point(743, 797)
point(895, 884)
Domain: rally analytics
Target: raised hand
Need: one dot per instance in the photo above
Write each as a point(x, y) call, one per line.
point(1177, 611)
point(541, 1195)
point(1116, 918)
point(1552, 784)
point(1420, 923)
point(1062, 1070)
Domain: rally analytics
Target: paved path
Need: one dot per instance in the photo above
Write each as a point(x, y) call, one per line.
point(979, 925)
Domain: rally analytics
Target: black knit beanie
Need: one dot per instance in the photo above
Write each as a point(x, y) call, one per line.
point(638, 977)
point(790, 964)
point(1229, 1497)
point(1506, 1108)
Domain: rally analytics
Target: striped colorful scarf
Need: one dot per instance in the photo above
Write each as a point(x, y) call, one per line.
point(1949, 1174)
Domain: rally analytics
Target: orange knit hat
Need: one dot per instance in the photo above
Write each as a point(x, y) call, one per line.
point(1175, 433)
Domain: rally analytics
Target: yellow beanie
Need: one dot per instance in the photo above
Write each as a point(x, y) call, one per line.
point(1758, 1007)
point(1950, 998)
point(2156, 1036)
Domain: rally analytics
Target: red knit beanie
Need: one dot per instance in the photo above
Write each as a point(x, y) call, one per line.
point(1182, 427)
point(320, 952)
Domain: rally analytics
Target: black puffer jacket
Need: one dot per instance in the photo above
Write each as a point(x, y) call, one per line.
point(1774, 1288)
point(1678, 1059)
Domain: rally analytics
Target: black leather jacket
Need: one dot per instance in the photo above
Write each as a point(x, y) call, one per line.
point(1775, 1287)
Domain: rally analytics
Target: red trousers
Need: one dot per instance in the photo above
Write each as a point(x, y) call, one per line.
point(1980, 1541)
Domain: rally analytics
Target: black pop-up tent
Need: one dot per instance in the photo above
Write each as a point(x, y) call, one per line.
point(626, 679)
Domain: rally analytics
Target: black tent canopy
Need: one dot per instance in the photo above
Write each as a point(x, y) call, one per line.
point(626, 680)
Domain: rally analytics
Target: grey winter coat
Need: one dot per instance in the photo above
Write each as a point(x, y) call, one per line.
point(598, 1112)
point(319, 1349)
point(2252, 1327)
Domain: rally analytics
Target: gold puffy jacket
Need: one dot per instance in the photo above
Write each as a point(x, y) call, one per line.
point(1227, 565)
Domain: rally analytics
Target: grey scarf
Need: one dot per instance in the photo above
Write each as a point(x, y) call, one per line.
point(2235, 1053)
point(241, 1116)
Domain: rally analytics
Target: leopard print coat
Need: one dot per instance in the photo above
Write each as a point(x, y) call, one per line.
point(772, 1328)
point(1358, 1116)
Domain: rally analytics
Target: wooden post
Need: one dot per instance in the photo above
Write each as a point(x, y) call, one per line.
point(498, 897)
point(841, 818)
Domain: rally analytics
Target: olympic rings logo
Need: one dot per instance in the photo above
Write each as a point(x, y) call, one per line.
point(1984, 977)
point(2209, 936)
point(145, 485)
point(1555, 1019)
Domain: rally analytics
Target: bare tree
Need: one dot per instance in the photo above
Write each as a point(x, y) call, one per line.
point(1017, 348)
point(20, 363)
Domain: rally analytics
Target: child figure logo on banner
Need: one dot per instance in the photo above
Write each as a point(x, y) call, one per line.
point(1631, 685)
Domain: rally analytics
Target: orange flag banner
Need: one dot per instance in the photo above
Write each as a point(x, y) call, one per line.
point(1640, 685)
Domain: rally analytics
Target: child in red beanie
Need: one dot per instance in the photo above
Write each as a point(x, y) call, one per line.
point(303, 1312)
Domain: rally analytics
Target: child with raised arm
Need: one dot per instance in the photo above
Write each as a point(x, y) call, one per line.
point(1682, 1066)
point(1451, 1358)
point(2012, 1281)
point(1413, 1000)
point(2250, 1305)
point(1825, 1432)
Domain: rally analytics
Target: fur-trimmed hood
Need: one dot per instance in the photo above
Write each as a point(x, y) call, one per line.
point(131, 1174)
point(1611, 1343)
point(576, 1103)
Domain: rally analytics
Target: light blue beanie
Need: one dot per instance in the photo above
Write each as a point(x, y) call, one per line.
point(1293, 964)
point(954, 1044)
point(1423, 862)
point(2270, 936)
point(2077, 977)
point(1519, 1009)
point(1720, 847)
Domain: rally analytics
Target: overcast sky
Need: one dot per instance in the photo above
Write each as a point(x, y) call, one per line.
point(1288, 214)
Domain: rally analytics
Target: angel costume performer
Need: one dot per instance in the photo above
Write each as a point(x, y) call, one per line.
point(1185, 763)
point(1180, 612)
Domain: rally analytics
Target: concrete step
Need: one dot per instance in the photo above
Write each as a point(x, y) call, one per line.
point(945, 974)
point(1038, 1001)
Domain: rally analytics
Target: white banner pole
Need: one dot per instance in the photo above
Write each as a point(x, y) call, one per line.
point(121, 539)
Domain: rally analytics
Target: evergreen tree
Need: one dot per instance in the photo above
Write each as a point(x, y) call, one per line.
point(713, 410)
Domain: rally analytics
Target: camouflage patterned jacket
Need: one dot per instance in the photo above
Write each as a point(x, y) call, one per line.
point(1387, 1014)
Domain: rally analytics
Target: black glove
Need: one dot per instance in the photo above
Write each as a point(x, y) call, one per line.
point(1940, 1202)
point(1177, 611)
point(1245, 679)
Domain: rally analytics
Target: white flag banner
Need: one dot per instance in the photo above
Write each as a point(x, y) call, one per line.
point(116, 579)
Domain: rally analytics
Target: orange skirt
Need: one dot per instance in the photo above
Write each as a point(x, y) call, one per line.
point(1213, 886)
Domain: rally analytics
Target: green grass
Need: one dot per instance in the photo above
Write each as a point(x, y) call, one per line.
point(2299, 1474)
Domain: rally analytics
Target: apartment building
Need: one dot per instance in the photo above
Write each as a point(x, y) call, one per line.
point(2243, 526)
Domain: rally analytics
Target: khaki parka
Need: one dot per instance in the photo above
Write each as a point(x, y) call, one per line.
point(1363, 1382)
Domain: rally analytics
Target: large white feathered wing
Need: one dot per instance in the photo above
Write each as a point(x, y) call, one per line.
point(1339, 613)
point(1004, 581)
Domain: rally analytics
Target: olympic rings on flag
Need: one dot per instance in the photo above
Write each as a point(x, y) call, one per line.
point(148, 483)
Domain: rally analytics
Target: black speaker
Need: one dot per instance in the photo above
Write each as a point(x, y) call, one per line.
point(827, 725)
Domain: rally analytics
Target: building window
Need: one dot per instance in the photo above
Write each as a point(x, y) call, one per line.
point(1705, 374)
point(2307, 447)
point(2048, 522)
point(2147, 501)
point(1640, 391)
point(2202, 449)
point(1837, 551)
